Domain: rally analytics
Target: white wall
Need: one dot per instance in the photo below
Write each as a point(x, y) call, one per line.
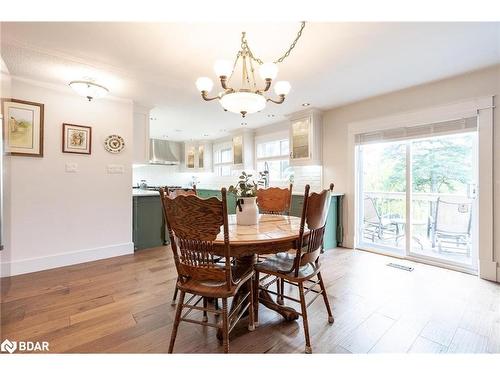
point(336, 121)
point(58, 218)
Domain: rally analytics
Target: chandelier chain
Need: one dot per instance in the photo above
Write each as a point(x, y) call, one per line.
point(245, 47)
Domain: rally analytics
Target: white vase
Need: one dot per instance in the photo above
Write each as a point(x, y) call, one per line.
point(249, 214)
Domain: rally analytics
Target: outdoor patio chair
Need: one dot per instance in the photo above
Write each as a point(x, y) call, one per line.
point(377, 225)
point(451, 226)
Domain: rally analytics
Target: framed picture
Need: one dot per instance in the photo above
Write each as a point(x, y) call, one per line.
point(22, 127)
point(76, 139)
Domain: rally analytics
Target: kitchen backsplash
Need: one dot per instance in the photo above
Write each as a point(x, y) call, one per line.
point(161, 175)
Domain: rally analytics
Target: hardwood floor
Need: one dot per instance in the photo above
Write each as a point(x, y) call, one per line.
point(123, 305)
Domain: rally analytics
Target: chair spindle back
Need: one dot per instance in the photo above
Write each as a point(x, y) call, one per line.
point(193, 224)
point(314, 215)
point(274, 200)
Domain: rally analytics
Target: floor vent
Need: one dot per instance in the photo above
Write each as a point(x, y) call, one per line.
point(401, 267)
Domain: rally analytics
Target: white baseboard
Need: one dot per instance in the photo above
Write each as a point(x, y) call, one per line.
point(19, 267)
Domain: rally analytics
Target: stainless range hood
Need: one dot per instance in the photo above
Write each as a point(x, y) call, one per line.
point(163, 152)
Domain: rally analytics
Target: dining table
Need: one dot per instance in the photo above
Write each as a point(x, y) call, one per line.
point(272, 234)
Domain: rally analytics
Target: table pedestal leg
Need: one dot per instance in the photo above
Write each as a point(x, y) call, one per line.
point(286, 312)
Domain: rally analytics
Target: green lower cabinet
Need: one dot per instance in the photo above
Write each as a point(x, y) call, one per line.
point(148, 225)
point(333, 221)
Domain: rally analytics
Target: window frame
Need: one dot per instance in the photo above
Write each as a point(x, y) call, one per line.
point(272, 137)
point(217, 150)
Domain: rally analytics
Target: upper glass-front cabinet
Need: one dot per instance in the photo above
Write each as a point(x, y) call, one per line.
point(201, 156)
point(190, 156)
point(300, 138)
point(305, 138)
point(238, 149)
point(198, 155)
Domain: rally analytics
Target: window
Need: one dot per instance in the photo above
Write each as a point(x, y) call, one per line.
point(273, 156)
point(223, 170)
point(224, 156)
point(222, 160)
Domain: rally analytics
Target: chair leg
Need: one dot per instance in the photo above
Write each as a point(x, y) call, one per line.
point(216, 306)
point(176, 322)
point(279, 290)
point(308, 349)
point(256, 287)
point(325, 298)
point(205, 306)
point(175, 293)
point(251, 321)
point(225, 326)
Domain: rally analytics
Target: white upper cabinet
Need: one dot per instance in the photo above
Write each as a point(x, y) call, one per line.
point(141, 135)
point(305, 138)
point(198, 156)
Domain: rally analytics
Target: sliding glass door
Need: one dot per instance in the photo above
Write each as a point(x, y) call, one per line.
point(416, 197)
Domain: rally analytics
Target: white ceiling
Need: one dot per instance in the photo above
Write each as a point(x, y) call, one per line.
point(156, 64)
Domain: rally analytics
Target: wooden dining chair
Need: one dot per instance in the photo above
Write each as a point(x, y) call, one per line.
point(274, 201)
point(302, 268)
point(193, 225)
point(172, 193)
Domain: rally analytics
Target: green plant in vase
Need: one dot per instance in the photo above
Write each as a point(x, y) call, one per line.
point(245, 187)
point(247, 212)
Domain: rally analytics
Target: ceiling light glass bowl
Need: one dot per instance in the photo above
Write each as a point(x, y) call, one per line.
point(88, 89)
point(243, 102)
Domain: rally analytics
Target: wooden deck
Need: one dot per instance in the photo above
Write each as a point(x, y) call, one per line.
point(122, 304)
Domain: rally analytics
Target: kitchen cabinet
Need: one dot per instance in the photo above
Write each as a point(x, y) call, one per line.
point(305, 138)
point(148, 224)
point(141, 135)
point(198, 156)
point(243, 149)
point(238, 150)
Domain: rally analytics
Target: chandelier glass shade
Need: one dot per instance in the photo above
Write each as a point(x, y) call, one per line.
point(244, 102)
point(249, 97)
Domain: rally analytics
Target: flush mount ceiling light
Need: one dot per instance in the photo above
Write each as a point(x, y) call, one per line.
point(89, 89)
point(248, 98)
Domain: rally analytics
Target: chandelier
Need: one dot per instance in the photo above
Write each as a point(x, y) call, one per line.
point(89, 89)
point(249, 98)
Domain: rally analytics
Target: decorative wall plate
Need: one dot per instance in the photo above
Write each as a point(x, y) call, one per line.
point(114, 144)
